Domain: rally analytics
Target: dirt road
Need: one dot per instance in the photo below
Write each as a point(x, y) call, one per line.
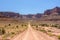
point(31, 34)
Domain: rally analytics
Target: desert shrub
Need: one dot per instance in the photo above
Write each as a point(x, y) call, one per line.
point(36, 26)
point(2, 31)
point(44, 25)
point(50, 34)
point(58, 37)
point(9, 24)
point(12, 33)
point(25, 25)
point(58, 27)
point(17, 26)
point(32, 25)
point(22, 25)
point(43, 30)
point(6, 39)
point(5, 26)
point(55, 25)
point(49, 30)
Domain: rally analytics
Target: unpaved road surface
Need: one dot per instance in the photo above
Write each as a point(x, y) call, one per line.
point(31, 34)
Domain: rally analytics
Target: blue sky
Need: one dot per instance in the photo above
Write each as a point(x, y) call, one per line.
point(28, 6)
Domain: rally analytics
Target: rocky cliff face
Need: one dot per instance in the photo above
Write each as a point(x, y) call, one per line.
point(53, 11)
point(51, 14)
point(9, 15)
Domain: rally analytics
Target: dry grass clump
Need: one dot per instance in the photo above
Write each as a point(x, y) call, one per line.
point(58, 37)
point(2, 31)
point(56, 25)
point(9, 30)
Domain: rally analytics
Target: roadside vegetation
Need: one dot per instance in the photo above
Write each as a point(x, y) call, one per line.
point(9, 30)
point(58, 37)
point(50, 29)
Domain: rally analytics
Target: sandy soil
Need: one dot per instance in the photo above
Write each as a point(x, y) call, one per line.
point(31, 34)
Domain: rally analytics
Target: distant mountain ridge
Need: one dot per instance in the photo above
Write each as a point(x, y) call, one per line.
point(55, 10)
point(48, 15)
